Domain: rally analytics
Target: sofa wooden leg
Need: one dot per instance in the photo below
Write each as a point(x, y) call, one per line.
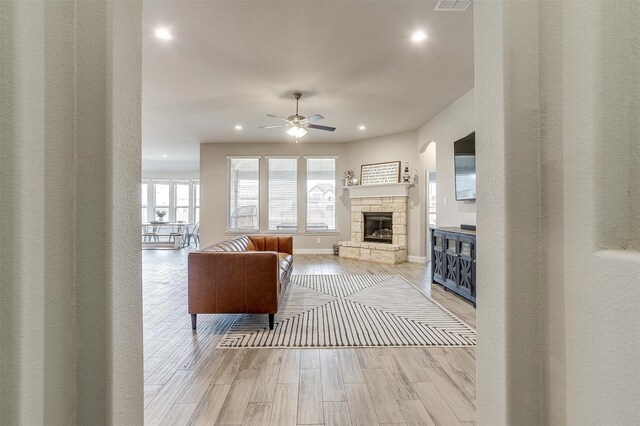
point(271, 320)
point(193, 321)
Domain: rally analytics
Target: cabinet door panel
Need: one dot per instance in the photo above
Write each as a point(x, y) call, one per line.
point(451, 258)
point(438, 258)
point(466, 265)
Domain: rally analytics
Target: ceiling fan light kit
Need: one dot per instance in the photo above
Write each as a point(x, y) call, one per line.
point(297, 132)
point(298, 124)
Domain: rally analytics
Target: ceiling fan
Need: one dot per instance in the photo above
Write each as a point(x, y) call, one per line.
point(299, 123)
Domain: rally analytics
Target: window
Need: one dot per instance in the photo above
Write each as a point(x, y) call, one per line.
point(196, 202)
point(182, 202)
point(179, 199)
point(321, 194)
point(283, 194)
point(144, 191)
point(244, 192)
point(161, 201)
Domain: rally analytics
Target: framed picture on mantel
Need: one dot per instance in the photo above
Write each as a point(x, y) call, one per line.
point(380, 173)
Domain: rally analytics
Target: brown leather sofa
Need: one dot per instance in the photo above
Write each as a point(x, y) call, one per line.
point(242, 275)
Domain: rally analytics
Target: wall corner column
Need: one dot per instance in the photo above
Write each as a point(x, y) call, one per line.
point(508, 212)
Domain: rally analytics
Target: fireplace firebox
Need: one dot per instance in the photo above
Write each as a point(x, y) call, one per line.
point(378, 227)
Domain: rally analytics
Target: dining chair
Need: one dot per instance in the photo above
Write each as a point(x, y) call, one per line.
point(151, 236)
point(195, 234)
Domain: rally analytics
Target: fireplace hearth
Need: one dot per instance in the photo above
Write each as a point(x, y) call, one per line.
point(378, 227)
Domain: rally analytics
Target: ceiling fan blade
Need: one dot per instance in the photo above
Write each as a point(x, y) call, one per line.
point(277, 125)
point(327, 128)
point(313, 118)
point(279, 118)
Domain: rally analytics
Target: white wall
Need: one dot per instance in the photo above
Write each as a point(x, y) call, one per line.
point(451, 124)
point(396, 147)
point(508, 251)
point(441, 131)
point(557, 89)
point(590, 282)
point(70, 305)
point(214, 189)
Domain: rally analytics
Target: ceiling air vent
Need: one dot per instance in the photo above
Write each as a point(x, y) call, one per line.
point(452, 5)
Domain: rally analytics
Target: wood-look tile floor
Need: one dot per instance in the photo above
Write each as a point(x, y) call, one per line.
point(189, 381)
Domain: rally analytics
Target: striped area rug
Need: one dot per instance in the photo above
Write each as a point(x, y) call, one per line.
point(351, 311)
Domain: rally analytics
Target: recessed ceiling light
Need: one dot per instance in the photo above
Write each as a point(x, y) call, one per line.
point(164, 155)
point(362, 127)
point(238, 127)
point(419, 36)
point(163, 34)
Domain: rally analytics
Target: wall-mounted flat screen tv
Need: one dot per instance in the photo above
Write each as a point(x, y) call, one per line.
point(464, 155)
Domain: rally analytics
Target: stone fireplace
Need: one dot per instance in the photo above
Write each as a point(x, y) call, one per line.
point(378, 223)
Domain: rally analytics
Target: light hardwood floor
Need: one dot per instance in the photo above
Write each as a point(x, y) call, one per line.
point(189, 381)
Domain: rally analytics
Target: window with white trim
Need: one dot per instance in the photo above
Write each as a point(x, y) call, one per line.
point(144, 188)
point(181, 209)
point(244, 194)
point(178, 198)
point(321, 194)
point(196, 201)
point(283, 194)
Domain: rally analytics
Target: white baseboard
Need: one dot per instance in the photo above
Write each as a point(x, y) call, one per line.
point(417, 259)
point(312, 251)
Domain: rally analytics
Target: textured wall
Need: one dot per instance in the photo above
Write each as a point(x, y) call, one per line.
point(589, 284)
point(70, 305)
point(37, 304)
point(506, 87)
point(556, 100)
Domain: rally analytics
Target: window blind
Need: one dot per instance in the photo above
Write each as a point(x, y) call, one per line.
point(244, 192)
point(283, 194)
point(321, 194)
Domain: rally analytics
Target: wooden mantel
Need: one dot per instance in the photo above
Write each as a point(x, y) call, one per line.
point(381, 190)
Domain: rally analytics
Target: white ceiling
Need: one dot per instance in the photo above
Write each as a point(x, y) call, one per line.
point(231, 62)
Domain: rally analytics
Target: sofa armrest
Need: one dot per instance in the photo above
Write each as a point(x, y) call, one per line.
point(233, 282)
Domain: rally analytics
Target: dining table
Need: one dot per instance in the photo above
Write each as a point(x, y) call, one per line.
point(165, 234)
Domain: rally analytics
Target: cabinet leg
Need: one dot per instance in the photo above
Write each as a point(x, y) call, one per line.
point(193, 321)
point(271, 321)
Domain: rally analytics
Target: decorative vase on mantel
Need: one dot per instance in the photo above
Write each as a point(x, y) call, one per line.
point(348, 178)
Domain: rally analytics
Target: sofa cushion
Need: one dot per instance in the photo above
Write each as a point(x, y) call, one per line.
point(279, 243)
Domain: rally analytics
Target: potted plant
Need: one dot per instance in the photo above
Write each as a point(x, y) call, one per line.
point(161, 214)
